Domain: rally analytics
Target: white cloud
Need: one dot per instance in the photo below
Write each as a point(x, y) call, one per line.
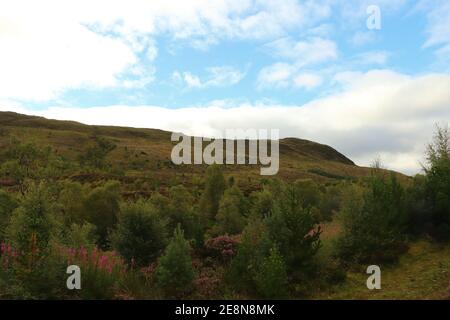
point(49, 46)
point(276, 75)
point(308, 80)
point(221, 76)
point(437, 29)
point(311, 51)
point(300, 54)
point(379, 113)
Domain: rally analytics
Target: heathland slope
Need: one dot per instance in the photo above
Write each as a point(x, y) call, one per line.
point(145, 153)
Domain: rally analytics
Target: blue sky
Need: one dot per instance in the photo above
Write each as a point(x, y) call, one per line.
point(179, 65)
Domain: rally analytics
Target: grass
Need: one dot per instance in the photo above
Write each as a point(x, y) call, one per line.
point(423, 273)
point(140, 152)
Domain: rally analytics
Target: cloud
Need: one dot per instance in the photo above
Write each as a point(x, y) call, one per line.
point(50, 46)
point(379, 113)
point(308, 80)
point(276, 75)
point(299, 54)
point(221, 76)
point(437, 29)
point(303, 53)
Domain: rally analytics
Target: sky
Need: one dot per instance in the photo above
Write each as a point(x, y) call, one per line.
point(369, 78)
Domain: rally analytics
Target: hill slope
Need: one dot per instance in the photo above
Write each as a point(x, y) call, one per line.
point(141, 153)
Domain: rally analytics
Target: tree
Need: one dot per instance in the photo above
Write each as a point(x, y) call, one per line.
point(24, 162)
point(180, 211)
point(102, 208)
point(214, 188)
point(141, 234)
point(174, 273)
point(95, 156)
point(230, 218)
point(438, 183)
point(71, 200)
point(293, 227)
point(255, 245)
point(7, 206)
point(33, 223)
point(271, 277)
point(33, 231)
point(374, 222)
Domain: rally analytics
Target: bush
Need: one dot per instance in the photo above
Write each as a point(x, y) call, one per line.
point(255, 245)
point(271, 278)
point(7, 206)
point(35, 272)
point(230, 218)
point(292, 225)
point(214, 188)
point(102, 208)
point(374, 222)
point(141, 234)
point(180, 211)
point(174, 274)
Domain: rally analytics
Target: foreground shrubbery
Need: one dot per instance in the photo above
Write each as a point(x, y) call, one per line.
point(218, 242)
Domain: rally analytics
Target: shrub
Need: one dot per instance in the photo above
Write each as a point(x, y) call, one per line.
point(174, 274)
point(214, 188)
point(230, 218)
point(180, 211)
point(271, 278)
point(141, 234)
point(374, 222)
point(102, 207)
point(223, 247)
point(7, 206)
point(255, 245)
point(35, 272)
point(293, 227)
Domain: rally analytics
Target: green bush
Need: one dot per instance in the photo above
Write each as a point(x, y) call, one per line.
point(175, 273)
point(102, 208)
point(214, 188)
point(230, 218)
point(271, 278)
point(7, 206)
point(374, 222)
point(141, 234)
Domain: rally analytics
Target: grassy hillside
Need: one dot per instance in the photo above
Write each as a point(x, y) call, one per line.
point(145, 153)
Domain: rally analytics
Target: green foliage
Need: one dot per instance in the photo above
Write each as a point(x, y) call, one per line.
point(293, 226)
point(102, 207)
point(95, 156)
point(374, 222)
point(180, 211)
point(35, 272)
point(271, 277)
point(330, 202)
point(175, 273)
point(230, 218)
point(33, 223)
point(83, 235)
point(437, 186)
point(27, 160)
point(71, 202)
point(7, 206)
point(214, 188)
point(141, 234)
point(262, 203)
point(255, 245)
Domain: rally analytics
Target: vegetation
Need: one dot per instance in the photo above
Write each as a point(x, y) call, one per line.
point(310, 233)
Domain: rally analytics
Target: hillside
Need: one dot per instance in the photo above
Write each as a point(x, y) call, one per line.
point(145, 153)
